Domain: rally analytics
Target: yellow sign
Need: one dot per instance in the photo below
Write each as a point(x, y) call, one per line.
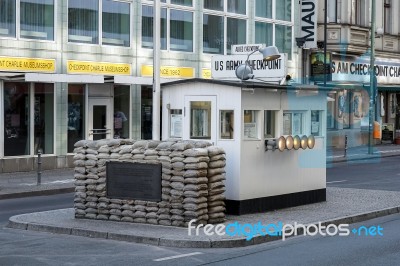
point(101, 68)
point(27, 64)
point(206, 73)
point(169, 72)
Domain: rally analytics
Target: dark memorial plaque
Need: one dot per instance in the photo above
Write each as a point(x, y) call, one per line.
point(136, 181)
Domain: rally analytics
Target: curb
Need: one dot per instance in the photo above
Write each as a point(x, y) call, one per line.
point(181, 243)
point(349, 159)
point(44, 192)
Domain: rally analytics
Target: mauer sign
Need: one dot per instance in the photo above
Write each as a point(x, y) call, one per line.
point(224, 66)
point(357, 69)
point(308, 22)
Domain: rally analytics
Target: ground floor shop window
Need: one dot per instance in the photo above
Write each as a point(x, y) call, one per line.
point(28, 107)
point(76, 114)
point(147, 112)
point(121, 112)
point(44, 118)
point(16, 119)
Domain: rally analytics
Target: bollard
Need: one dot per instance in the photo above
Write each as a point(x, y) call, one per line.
point(39, 168)
point(345, 145)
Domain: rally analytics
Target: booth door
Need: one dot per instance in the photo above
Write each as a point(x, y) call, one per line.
point(100, 119)
point(200, 118)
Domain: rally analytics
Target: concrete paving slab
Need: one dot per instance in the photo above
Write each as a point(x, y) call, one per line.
point(344, 205)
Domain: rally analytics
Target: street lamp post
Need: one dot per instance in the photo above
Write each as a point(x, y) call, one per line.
point(372, 79)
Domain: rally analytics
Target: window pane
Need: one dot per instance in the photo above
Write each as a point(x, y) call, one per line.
point(237, 6)
point(214, 4)
point(7, 18)
point(200, 120)
point(83, 21)
point(37, 19)
point(287, 124)
point(213, 34)
point(316, 123)
point(147, 27)
point(121, 112)
point(181, 31)
point(264, 8)
point(226, 124)
point(175, 123)
point(330, 123)
point(283, 10)
point(283, 39)
point(44, 118)
point(250, 124)
point(263, 33)
point(269, 124)
point(236, 32)
point(182, 2)
point(16, 119)
point(76, 114)
point(116, 23)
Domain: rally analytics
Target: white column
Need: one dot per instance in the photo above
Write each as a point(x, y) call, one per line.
point(156, 71)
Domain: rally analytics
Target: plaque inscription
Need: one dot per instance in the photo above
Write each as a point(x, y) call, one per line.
point(136, 181)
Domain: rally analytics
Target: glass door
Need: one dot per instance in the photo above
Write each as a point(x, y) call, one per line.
point(100, 119)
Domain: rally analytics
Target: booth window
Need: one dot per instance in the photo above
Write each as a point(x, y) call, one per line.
point(175, 119)
point(250, 128)
point(269, 124)
point(293, 123)
point(316, 123)
point(200, 120)
point(226, 124)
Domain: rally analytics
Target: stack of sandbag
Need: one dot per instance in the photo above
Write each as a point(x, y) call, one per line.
point(216, 187)
point(195, 185)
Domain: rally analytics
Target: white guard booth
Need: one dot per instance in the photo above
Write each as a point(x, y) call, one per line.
point(245, 118)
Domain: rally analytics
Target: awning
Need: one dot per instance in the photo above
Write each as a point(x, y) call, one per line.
point(40, 77)
point(130, 80)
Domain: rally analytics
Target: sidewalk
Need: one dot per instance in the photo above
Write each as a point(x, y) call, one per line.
point(335, 155)
point(24, 184)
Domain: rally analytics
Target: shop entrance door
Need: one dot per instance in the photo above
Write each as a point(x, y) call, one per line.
point(200, 118)
point(100, 118)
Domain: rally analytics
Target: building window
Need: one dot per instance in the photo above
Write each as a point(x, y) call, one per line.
point(269, 124)
point(16, 119)
point(7, 18)
point(280, 22)
point(332, 11)
point(293, 123)
point(213, 34)
point(358, 12)
point(116, 21)
point(27, 107)
point(121, 112)
point(44, 118)
point(330, 123)
point(36, 19)
point(250, 121)
point(181, 30)
point(224, 22)
point(177, 21)
point(84, 22)
point(147, 27)
point(200, 120)
point(76, 115)
point(388, 16)
point(226, 124)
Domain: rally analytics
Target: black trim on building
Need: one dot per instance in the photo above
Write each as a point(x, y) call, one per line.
point(239, 207)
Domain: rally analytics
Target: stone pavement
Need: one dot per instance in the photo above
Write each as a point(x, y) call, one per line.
point(343, 205)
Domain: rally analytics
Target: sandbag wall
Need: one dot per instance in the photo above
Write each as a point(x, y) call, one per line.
point(193, 174)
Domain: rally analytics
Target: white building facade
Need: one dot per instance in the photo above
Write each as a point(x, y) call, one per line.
point(63, 63)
